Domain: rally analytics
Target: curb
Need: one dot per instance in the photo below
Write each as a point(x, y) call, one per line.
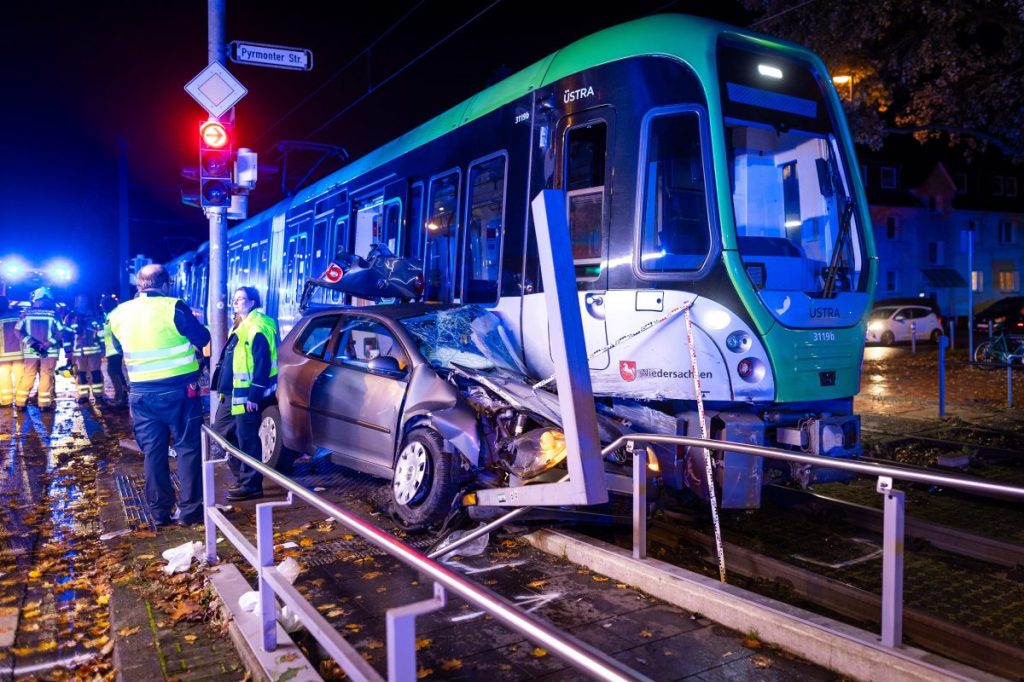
point(821, 640)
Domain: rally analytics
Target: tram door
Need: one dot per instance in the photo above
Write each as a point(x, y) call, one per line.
point(586, 139)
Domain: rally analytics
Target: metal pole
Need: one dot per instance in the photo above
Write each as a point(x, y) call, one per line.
point(216, 306)
point(265, 552)
point(1009, 382)
point(892, 564)
point(639, 501)
point(913, 338)
point(209, 498)
point(952, 333)
point(970, 294)
point(942, 376)
point(123, 218)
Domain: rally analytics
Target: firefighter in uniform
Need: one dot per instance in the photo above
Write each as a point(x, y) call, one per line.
point(115, 365)
point(42, 336)
point(87, 332)
point(10, 352)
point(158, 336)
point(245, 377)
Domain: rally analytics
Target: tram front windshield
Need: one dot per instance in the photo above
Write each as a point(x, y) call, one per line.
point(796, 227)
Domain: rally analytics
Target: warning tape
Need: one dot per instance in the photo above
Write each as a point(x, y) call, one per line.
point(707, 455)
point(624, 338)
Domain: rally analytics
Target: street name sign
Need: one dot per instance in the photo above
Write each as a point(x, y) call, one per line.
point(274, 56)
point(216, 89)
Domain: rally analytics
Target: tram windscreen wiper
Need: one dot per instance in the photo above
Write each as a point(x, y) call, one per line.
point(829, 288)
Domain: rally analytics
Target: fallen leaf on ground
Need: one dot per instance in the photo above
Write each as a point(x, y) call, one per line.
point(423, 672)
point(538, 583)
point(423, 643)
point(191, 639)
point(538, 652)
point(128, 632)
point(451, 664)
point(760, 661)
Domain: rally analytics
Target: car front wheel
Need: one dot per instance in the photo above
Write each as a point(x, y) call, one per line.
point(274, 453)
point(936, 335)
point(888, 338)
point(425, 482)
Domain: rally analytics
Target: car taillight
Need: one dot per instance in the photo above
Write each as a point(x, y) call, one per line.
point(417, 284)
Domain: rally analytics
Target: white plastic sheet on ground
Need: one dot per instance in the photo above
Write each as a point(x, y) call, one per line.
point(250, 601)
point(179, 558)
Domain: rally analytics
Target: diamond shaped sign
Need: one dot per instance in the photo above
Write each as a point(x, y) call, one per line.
point(216, 89)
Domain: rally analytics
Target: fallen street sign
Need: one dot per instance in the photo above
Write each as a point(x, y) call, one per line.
point(215, 89)
point(274, 56)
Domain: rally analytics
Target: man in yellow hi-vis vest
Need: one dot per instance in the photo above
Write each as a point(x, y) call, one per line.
point(158, 336)
point(245, 377)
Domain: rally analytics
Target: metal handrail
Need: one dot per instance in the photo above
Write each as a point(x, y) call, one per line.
point(899, 473)
point(578, 654)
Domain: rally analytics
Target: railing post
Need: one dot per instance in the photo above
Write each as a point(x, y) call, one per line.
point(913, 338)
point(639, 499)
point(1009, 381)
point(990, 330)
point(942, 376)
point(892, 563)
point(265, 553)
point(952, 333)
point(209, 498)
point(401, 634)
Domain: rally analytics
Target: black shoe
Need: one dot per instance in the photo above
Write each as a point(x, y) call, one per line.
point(83, 401)
point(239, 494)
point(185, 523)
point(160, 523)
point(46, 408)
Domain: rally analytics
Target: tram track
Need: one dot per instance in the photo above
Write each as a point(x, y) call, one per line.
point(679, 533)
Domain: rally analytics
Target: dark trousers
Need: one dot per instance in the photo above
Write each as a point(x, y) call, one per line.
point(156, 416)
point(115, 371)
point(243, 431)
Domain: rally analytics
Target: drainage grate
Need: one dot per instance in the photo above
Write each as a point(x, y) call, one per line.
point(133, 502)
point(321, 472)
point(356, 548)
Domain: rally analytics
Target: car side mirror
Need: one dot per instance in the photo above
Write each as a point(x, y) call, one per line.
point(385, 366)
point(899, 318)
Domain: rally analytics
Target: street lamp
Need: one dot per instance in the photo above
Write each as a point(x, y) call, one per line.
point(845, 79)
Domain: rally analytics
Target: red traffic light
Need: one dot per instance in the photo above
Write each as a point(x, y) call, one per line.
point(213, 134)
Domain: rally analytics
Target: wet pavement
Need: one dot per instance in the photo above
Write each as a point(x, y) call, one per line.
point(85, 595)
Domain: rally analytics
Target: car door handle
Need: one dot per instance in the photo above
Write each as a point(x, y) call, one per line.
point(325, 375)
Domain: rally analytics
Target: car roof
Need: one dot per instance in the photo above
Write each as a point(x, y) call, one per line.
point(393, 311)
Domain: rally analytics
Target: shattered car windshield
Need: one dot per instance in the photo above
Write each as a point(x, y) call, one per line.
point(469, 336)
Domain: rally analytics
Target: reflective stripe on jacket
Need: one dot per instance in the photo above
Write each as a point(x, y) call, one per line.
point(242, 363)
point(10, 339)
point(42, 325)
point(152, 345)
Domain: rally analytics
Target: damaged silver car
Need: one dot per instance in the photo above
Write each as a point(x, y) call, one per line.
point(434, 398)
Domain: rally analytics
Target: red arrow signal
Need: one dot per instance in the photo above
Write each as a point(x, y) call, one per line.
point(213, 134)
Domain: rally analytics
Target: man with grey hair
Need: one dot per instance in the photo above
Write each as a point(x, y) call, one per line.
point(158, 336)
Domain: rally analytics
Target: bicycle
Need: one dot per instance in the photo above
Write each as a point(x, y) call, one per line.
point(1000, 349)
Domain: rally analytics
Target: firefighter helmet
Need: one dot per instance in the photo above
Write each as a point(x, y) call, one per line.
point(41, 293)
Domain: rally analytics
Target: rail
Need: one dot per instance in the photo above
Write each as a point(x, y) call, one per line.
point(893, 512)
point(401, 621)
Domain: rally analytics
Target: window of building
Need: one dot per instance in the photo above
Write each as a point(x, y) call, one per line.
point(891, 281)
point(1007, 232)
point(960, 180)
point(676, 233)
point(484, 230)
point(889, 177)
point(977, 281)
point(1008, 280)
point(891, 231)
point(585, 158)
point(997, 185)
point(935, 253)
point(442, 230)
point(1010, 185)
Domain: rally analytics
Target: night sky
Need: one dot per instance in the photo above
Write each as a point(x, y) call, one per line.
point(79, 76)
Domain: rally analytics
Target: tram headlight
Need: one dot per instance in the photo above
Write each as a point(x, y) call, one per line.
point(738, 342)
point(750, 370)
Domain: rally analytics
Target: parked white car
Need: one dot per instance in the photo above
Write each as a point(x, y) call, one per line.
point(890, 324)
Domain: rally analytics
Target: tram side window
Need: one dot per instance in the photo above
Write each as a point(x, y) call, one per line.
point(442, 238)
point(676, 231)
point(584, 183)
point(392, 219)
point(412, 238)
point(484, 230)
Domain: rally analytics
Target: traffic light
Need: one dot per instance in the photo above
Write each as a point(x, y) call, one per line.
point(215, 164)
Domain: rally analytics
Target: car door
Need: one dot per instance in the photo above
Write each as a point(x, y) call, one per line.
point(900, 324)
point(353, 409)
point(299, 365)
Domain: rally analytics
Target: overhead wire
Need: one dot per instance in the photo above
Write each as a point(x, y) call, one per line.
point(342, 69)
point(399, 71)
